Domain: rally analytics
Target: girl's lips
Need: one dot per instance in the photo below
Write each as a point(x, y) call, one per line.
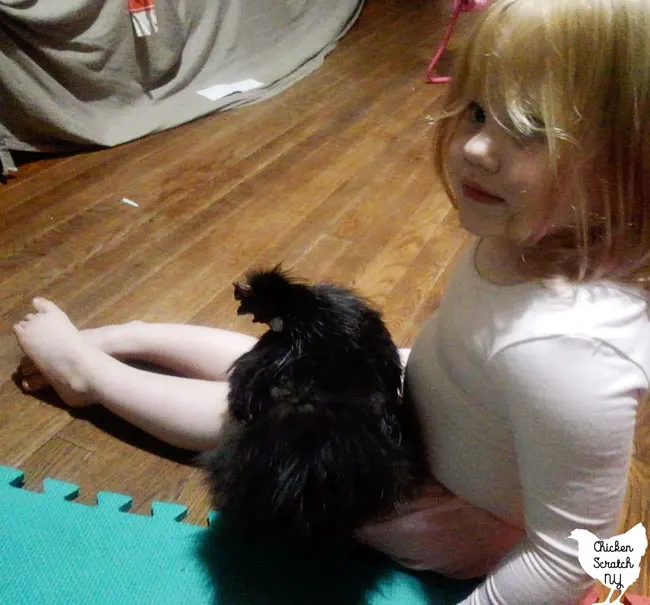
point(475, 193)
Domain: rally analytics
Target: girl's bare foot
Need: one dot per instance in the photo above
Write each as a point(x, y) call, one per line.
point(108, 339)
point(58, 355)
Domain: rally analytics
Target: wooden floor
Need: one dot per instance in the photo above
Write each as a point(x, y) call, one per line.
point(333, 178)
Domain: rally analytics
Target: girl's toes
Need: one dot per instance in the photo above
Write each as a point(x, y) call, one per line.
point(19, 328)
point(43, 305)
point(27, 367)
point(36, 382)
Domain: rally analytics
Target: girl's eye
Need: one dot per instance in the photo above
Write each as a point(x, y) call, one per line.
point(476, 113)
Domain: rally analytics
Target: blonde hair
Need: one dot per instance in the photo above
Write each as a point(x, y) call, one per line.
point(578, 73)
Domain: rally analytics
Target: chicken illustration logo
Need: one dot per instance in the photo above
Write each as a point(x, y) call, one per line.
point(615, 562)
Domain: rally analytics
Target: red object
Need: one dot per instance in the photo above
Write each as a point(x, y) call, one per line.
point(141, 5)
point(459, 6)
point(143, 17)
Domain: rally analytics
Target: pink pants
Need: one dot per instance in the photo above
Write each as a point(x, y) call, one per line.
point(441, 532)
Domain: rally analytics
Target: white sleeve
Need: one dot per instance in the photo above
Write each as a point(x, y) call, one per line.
point(571, 403)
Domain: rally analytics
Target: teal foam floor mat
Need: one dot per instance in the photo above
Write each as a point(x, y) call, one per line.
point(55, 551)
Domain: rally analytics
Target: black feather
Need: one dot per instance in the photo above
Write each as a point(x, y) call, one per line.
point(314, 446)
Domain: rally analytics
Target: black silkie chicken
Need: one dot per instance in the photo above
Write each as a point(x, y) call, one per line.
point(314, 444)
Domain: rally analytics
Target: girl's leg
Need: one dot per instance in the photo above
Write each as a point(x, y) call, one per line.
point(185, 412)
point(194, 351)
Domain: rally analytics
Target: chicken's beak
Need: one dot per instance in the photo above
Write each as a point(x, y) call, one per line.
point(242, 291)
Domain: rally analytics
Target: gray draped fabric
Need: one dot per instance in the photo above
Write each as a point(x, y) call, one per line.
point(74, 73)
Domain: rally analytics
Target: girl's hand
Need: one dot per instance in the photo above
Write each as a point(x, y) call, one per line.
point(441, 532)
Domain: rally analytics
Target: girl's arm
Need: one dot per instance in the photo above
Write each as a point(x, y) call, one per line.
point(572, 404)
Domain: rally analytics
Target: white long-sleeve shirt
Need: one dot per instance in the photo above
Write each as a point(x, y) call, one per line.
point(527, 398)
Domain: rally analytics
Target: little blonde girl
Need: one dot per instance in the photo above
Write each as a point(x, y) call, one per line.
point(527, 379)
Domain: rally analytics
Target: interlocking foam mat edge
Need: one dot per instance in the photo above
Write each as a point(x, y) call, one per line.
point(54, 551)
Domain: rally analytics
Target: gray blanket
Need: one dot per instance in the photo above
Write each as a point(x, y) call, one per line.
point(74, 73)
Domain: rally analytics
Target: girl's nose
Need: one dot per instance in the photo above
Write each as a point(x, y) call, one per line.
point(481, 151)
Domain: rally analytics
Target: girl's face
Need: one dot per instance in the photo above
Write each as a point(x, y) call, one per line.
point(504, 185)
